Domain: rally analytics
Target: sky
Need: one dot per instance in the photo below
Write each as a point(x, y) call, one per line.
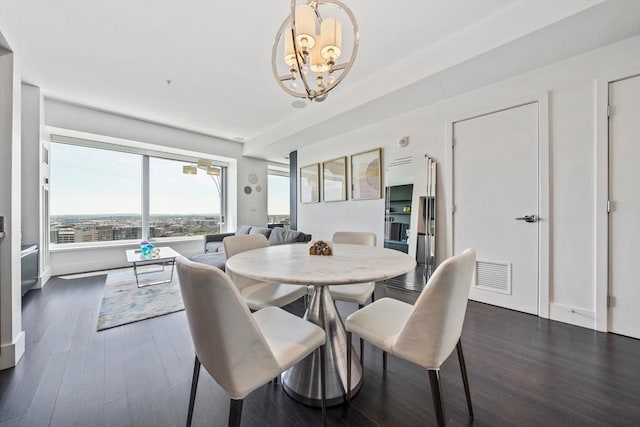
point(88, 181)
point(278, 195)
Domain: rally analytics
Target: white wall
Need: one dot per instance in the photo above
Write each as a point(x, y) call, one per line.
point(243, 209)
point(323, 219)
point(30, 164)
point(254, 205)
point(11, 335)
point(571, 85)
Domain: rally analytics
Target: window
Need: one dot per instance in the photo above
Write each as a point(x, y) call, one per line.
point(95, 195)
point(183, 205)
point(278, 196)
point(98, 194)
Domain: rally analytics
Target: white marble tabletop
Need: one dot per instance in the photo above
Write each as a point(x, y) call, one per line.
point(293, 264)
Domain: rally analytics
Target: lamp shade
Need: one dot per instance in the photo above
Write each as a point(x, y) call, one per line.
point(189, 170)
point(318, 64)
point(204, 164)
point(305, 20)
point(289, 50)
point(330, 39)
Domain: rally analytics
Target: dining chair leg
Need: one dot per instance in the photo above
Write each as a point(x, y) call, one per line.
point(465, 379)
point(384, 360)
point(348, 390)
point(194, 388)
point(323, 385)
point(360, 306)
point(436, 394)
point(235, 412)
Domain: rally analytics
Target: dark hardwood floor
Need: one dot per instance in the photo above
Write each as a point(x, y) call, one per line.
point(523, 371)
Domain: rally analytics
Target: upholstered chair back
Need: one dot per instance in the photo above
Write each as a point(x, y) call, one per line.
point(234, 245)
point(354, 238)
point(226, 338)
point(435, 324)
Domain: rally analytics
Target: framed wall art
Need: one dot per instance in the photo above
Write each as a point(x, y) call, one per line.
point(334, 180)
point(366, 182)
point(310, 183)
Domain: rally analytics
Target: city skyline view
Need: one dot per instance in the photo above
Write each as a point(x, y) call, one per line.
point(96, 195)
point(99, 228)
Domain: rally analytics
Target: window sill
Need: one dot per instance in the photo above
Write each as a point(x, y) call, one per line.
point(129, 244)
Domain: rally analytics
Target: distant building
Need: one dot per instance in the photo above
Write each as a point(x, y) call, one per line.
point(94, 228)
point(104, 232)
point(127, 233)
point(86, 234)
point(66, 235)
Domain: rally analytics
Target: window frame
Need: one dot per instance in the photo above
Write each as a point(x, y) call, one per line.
point(279, 170)
point(145, 155)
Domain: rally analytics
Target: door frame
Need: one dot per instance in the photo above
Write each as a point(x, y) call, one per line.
point(601, 264)
point(542, 100)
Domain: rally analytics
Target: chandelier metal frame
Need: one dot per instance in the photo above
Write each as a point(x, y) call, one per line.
point(302, 59)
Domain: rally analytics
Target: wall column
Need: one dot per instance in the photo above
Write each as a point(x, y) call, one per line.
point(293, 190)
point(11, 334)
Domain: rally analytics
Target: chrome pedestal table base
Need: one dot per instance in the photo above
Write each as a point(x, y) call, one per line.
point(302, 381)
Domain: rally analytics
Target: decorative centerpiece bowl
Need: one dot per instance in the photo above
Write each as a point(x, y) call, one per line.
point(320, 247)
point(147, 249)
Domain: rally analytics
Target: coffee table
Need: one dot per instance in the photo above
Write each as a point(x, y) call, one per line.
point(166, 256)
point(349, 264)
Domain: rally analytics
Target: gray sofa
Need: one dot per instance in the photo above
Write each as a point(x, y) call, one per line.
point(214, 249)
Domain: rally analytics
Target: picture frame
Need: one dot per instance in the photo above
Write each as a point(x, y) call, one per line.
point(310, 183)
point(366, 176)
point(334, 180)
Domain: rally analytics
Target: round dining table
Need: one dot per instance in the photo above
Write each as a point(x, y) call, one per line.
point(349, 264)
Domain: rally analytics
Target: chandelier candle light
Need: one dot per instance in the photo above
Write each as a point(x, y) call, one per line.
point(310, 42)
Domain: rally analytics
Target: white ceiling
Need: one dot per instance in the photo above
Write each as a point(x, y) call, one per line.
point(117, 56)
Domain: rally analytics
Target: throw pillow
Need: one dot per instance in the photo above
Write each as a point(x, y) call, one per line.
point(281, 236)
point(266, 232)
point(243, 229)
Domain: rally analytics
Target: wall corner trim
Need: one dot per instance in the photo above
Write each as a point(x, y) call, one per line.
point(10, 354)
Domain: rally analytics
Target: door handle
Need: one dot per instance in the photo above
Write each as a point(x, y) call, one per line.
point(528, 218)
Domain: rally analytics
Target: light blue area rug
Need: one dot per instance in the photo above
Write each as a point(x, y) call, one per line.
point(123, 302)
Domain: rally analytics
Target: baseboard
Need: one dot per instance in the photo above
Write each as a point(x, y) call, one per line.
point(10, 354)
point(44, 278)
point(572, 315)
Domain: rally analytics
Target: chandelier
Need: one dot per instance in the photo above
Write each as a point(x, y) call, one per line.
point(308, 63)
point(204, 164)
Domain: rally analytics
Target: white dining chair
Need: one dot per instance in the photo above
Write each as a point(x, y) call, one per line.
point(425, 333)
point(239, 349)
point(358, 293)
point(257, 294)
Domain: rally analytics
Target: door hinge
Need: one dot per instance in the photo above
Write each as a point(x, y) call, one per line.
point(453, 142)
point(608, 206)
point(611, 301)
point(609, 110)
point(453, 208)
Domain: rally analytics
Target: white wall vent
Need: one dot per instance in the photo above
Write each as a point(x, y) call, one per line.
point(493, 276)
point(400, 161)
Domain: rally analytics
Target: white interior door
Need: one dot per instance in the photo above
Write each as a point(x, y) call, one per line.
point(624, 218)
point(495, 181)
